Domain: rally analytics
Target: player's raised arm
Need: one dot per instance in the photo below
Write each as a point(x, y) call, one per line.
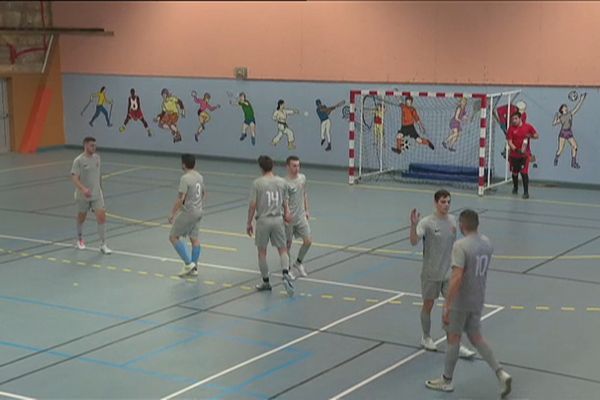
point(414, 221)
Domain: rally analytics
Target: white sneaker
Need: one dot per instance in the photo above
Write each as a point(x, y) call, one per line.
point(465, 352)
point(105, 250)
point(186, 270)
point(301, 270)
point(428, 344)
point(293, 273)
point(440, 384)
point(80, 244)
point(505, 383)
point(287, 283)
point(194, 271)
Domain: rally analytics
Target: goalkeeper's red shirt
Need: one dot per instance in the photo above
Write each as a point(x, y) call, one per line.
point(518, 134)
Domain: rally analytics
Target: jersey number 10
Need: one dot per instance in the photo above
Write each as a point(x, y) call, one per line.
point(483, 262)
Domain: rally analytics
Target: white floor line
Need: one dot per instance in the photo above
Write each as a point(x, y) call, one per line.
point(399, 363)
point(378, 188)
point(2, 171)
point(282, 347)
point(225, 267)
point(15, 396)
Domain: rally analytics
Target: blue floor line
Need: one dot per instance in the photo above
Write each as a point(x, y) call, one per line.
point(146, 372)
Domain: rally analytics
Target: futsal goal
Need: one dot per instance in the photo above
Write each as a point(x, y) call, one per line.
point(444, 138)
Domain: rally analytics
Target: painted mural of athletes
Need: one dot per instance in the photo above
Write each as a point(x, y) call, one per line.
point(410, 117)
point(134, 112)
point(249, 123)
point(171, 108)
point(323, 113)
point(564, 117)
point(280, 117)
point(101, 100)
point(457, 121)
point(203, 111)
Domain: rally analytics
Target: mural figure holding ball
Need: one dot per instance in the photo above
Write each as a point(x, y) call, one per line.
point(564, 117)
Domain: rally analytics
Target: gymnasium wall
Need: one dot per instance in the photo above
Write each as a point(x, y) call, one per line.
point(221, 136)
point(22, 91)
point(303, 51)
point(486, 42)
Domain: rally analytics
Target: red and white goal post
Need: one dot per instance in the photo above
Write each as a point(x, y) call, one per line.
point(426, 137)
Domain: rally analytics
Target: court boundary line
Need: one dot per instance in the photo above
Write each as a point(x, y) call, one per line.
point(354, 249)
point(249, 361)
point(15, 396)
point(2, 171)
point(399, 363)
point(381, 188)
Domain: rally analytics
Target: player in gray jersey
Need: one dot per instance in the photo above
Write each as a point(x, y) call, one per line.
point(471, 258)
point(269, 205)
point(86, 176)
point(438, 232)
point(299, 226)
point(187, 214)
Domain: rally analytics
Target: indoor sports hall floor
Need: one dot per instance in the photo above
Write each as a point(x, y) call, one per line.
point(76, 324)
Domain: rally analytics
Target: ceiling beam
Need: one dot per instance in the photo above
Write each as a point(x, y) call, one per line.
point(55, 30)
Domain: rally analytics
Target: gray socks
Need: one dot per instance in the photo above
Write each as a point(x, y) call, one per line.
point(264, 268)
point(102, 233)
point(426, 323)
point(451, 360)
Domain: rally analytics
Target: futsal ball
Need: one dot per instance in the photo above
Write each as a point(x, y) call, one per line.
point(573, 95)
point(306, 113)
point(404, 144)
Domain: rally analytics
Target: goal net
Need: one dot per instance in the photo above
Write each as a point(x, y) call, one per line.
point(423, 137)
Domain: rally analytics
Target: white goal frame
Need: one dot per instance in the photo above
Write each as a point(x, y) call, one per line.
point(486, 133)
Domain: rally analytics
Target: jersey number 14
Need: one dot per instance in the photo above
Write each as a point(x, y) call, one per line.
point(273, 198)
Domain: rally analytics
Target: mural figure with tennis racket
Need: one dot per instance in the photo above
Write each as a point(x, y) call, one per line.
point(134, 112)
point(171, 108)
point(249, 123)
point(203, 111)
point(323, 113)
point(102, 99)
point(564, 117)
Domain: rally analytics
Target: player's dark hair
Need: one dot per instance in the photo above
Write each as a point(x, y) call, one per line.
point(440, 194)
point(88, 139)
point(516, 114)
point(279, 103)
point(265, 163)
point(102, 88)
point(291, 158)
point(132, 91)
point(409, 98)
point(469, 220)
point(188, 160)
point(561, 107)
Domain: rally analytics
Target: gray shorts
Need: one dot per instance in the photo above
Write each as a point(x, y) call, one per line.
point(84, 206)
point(301, 229)
point(464, 321)
point(431, 290)
point(270, 229)
point(186, 224)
